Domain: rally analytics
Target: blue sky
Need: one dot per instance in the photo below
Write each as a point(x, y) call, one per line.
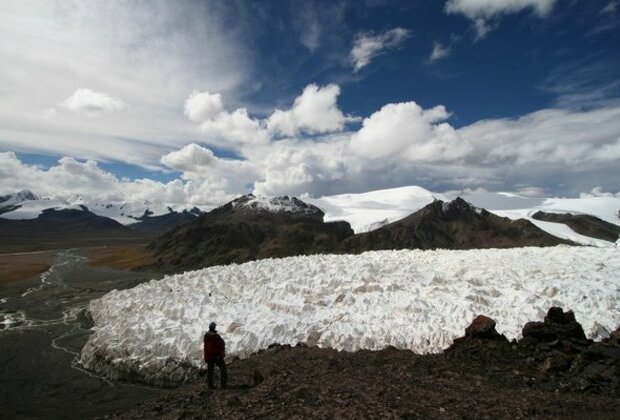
point(517, 95)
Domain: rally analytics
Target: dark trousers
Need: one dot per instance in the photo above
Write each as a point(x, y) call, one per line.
point(219, 362)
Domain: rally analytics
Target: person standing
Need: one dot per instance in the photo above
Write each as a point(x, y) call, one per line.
point(214, 353)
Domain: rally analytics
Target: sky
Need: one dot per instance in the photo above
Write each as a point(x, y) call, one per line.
point(199, 101)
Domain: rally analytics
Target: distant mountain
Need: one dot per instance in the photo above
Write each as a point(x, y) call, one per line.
point(164, 222)
point(452, 225)
point(63, 228)
point(11, 202)
point(142, 216)
point(583, 224)
point(371, 210)
point(249, 228)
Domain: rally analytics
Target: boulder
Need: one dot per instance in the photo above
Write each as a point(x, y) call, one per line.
point(482, 327)
point(558, 325)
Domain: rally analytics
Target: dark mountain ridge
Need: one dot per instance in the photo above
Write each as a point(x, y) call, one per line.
point(452, 225)
point(249, 228)
point(584, 224)
point(61, 229)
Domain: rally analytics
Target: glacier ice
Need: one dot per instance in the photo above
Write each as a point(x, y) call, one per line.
point(410, 299)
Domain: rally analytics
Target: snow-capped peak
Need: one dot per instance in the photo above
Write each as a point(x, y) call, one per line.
point(371, 210)
point(458, 204)
point(17, 198)
point(282, 204)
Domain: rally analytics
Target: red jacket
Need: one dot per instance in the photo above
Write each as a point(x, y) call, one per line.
point(214, 346)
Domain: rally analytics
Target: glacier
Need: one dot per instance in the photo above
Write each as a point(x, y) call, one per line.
point(410, 299)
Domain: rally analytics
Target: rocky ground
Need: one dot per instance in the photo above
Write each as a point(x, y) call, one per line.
point(553, 372)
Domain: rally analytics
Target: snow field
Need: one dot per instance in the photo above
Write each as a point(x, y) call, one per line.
point(417, 300)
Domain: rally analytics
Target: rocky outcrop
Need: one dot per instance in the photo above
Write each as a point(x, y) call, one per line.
point(583, 224)
point(555, 349)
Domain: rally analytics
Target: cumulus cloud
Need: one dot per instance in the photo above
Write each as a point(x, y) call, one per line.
point(439, 52)
point(235, 129)
point(70, 176)
point(485, 13)
point(369, 45)
point(400, 143)
point(91, 103)
point(314, 111)
point(405, 130)
point(228, 129)
point(201, 106)
point(199, 164)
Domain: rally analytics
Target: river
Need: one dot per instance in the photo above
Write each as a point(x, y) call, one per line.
point(41, 335)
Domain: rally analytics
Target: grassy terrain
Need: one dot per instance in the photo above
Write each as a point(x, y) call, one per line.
point(20, 266)
point(124, 257)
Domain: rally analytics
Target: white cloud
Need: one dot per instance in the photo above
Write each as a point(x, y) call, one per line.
point(149, 55)
point(201, 106)
point(71, 176)
point(199, 164)
point(234, 129)
point(439, 52)
point(189, 158)
point(485, 13)
point(550, 137)
point(399, 144)
point(598, 192)
point(369, 45)
point(91, 103)
point(314, 111)
point(406, 131)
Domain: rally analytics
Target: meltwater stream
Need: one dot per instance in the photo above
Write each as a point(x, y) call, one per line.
point(42, 332)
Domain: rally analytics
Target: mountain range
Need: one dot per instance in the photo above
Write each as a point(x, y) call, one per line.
point(252, 227)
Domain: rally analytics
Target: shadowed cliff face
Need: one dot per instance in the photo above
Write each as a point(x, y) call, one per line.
point(584, 224)
point(249, 228)
point(453, 225)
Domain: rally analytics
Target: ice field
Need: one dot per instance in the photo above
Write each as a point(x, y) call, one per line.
point(411, 299)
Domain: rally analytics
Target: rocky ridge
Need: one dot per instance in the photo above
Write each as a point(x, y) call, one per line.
point(250, 228)
point(247, 229)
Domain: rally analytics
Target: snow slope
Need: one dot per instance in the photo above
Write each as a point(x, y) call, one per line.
point(371, 210)
point(31, 209)
point(515, 207)
point(418, 300)
point(16, 198)
point(125, 213)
